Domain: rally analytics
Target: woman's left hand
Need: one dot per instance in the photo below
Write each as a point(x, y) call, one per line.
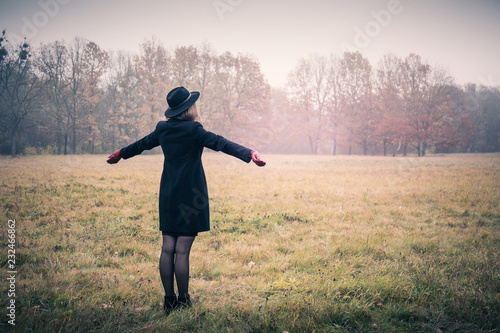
point(256, 158)
point(114, 158)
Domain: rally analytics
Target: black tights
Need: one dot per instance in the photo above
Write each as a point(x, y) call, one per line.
point(175, 259)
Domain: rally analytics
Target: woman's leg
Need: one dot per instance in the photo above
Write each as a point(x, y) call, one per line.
point(167, 264)
point(182, 250)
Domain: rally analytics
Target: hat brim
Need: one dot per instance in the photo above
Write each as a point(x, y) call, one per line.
point(172, 112)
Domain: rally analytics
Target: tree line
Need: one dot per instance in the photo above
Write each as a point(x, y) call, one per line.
point(399, 105)
point(74, 97)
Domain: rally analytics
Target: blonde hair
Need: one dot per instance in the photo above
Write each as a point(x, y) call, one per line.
point(190, 114)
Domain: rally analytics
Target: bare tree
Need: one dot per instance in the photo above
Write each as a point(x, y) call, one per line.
point(206, 83)
point(390, 123)
point(74, 93)
point(438, 105)
point(310, 86)
point(334, 104)
point(241, 95)
point(483, 109)
point(414, 75)
point(94, 63)
point(355, 82)
point(152, 67)
point(429, 97)
point(52, 65)
point(20, 88)
point(121, 116)
point(185, 66)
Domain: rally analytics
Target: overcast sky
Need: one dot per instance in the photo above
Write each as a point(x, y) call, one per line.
point(462, 36)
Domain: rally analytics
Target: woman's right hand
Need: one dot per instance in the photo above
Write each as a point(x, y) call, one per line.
point(256, 158)
point(114, 158)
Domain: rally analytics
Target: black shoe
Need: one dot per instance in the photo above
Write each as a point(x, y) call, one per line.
point(184, 302)
point(169, 304)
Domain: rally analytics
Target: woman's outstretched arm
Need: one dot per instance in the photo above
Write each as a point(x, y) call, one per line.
point(148, 142)
point(219, 143)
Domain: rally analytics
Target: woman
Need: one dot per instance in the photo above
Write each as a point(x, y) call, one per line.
point(184, 209)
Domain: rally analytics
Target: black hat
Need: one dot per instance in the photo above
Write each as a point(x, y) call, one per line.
point(180, 99)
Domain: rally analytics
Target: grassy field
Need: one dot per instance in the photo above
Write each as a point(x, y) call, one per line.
point(306, 244)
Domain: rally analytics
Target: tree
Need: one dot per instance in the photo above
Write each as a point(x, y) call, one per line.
point(205, 82)
point(241, 96)
point(415, 76)
point(333, 104)
point(20, 89)
point(52, 65)
point(438, 106)
point(310, 86)
point(120, 115)
point(455, 126)
point(355, 83)
point(74, 96)
point(483, 106)
point(390, 124)
point(491, 112)
point(284, 122)
point(152, 67)
point(185, 66)
point(94, 63)
point(193, 67)
point(433, 105)
point(252, 94)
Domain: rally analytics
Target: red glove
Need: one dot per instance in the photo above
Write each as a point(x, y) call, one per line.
point(114, 158)
point(256, 158)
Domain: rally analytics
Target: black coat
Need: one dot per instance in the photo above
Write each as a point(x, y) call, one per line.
point(184, 206)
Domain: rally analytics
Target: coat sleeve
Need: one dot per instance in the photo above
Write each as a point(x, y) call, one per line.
point(148, 142)
point(219, 143)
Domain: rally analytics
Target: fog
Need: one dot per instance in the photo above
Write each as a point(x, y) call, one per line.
point(319, 77)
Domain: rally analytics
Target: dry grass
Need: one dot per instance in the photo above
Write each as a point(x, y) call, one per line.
point(308, 243)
